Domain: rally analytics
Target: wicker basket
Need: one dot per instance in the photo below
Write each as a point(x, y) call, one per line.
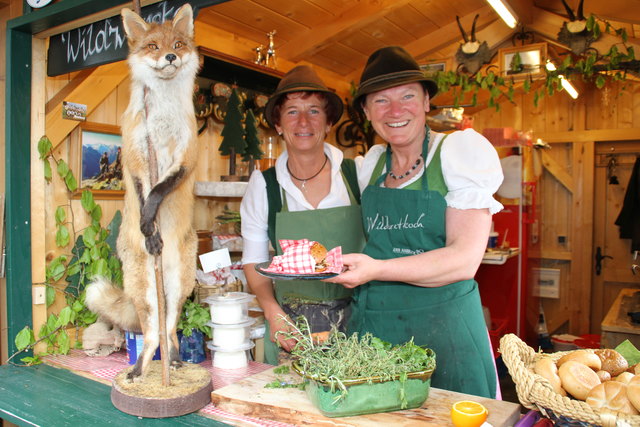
point(535, 392)
point(203, 290)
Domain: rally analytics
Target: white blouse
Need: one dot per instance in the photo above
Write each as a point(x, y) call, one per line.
point(470, 166)
point(254, 209)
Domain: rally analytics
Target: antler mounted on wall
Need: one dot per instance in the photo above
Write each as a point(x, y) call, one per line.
point(472, 54)
point(574, 33)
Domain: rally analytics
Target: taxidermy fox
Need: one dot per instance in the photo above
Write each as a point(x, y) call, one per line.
point(157, 219)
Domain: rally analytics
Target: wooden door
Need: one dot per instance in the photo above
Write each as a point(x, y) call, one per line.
point(613, 163)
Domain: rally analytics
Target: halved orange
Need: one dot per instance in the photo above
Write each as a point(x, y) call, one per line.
point(467, 413)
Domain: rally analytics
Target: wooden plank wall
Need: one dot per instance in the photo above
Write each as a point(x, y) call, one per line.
point(565, 188)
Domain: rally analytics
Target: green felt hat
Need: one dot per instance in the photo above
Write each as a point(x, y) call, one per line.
point(388, 67)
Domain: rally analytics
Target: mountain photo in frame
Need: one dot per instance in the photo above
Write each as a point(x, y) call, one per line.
point(100, 165)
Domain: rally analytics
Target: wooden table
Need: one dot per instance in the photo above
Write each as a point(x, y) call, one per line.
point(249, 397)
point(617, 326)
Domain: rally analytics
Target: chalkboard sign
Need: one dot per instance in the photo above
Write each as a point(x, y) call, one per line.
point(104, 41)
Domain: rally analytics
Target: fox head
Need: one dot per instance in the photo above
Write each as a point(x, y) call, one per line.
point(164, 50)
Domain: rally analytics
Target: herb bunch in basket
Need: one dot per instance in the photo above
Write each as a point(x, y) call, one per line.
point(341, 358)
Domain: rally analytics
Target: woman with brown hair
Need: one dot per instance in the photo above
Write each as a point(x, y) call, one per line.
point(311, 193)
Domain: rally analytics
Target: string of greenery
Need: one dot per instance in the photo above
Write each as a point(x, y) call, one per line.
point(591, 67)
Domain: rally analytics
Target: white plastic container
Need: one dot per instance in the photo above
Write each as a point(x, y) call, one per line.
point(230, 358)
point(230, 308)
point(231, 336)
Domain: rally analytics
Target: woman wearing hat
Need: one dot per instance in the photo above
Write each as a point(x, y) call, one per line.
point(311, 193)
point(427, 205)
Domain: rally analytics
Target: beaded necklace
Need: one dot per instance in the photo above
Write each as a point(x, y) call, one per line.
point(407, 173)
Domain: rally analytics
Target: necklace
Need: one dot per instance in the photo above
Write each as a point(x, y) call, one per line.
point(406, 174)
point(304, 180)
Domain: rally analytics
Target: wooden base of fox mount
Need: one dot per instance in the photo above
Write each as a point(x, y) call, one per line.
point(190, 391)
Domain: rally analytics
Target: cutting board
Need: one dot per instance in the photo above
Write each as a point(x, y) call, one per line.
point(249, 397)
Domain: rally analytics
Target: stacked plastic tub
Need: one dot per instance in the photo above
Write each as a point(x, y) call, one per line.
point(231, 326)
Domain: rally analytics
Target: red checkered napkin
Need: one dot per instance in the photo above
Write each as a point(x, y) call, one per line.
point(296, 259)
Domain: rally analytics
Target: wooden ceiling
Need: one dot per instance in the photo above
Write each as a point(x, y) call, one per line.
point(339, 35)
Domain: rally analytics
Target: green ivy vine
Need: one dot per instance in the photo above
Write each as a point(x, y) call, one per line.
point(91, 255)
point(591, 67)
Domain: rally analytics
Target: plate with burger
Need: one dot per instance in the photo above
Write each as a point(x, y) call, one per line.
point(303, 259)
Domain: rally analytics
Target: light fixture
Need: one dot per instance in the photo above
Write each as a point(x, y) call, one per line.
point(504, 10)
point(566, 84)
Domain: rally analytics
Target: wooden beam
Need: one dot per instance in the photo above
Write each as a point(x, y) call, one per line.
point(625, 134)
point(347, 22)
point(582, 231)
point(93, 90)
point(557, 171)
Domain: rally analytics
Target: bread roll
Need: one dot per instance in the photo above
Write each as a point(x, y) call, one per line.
point(577, 379)
point(624, 377)
point(612, 361)
point(318, 252)
point(547, 368)
point(604, 376)
point(611, 395)
point(633, 391)
point(583, 356)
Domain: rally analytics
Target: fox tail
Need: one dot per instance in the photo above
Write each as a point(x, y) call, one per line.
point(111, 304)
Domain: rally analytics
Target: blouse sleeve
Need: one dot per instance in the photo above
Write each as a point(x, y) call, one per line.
point(254, 214)
point(366, 164)
point(472, 171)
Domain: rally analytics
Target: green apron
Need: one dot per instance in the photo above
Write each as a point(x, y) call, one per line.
point(447, 319)
point(323, 304)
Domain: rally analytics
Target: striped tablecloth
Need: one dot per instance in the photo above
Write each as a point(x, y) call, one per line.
point(105, 368)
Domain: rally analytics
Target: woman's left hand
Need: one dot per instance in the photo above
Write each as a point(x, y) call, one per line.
point(360, 269)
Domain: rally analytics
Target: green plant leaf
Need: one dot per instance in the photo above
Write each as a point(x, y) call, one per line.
point(56, 268)
point(44, 147)
point(96, 213)
point(600, 81)
point(89, 237)
point(24, 338)
point(65, 317)
point(61, 215)
point(63, 168)
point(100, 268)
point(63, 342)
point(86, 200)
point(31, 360)
point(50, 295)
point(47, 171)
point(62, 236)
point(70, 181)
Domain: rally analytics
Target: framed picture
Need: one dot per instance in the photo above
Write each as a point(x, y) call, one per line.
point(524, 61)
point(100, 168)
point(432, 67)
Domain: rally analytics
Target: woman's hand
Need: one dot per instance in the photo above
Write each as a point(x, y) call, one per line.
point(278, 323)
point(360, 269)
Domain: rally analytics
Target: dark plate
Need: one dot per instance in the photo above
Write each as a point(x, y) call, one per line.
point(260, 268)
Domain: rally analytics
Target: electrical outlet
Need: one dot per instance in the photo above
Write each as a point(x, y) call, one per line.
point(39, 294)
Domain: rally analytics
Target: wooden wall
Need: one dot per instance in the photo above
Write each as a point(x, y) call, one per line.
point(562, 237)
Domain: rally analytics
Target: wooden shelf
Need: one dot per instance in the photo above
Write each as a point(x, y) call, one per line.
point(219, 189)
point(499, 257)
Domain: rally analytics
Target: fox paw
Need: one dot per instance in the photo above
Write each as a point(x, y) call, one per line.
point(147, 227)
point(154, 243)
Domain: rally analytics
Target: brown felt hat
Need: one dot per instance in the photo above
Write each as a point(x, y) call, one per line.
point(303, 79)
point(388, 67)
